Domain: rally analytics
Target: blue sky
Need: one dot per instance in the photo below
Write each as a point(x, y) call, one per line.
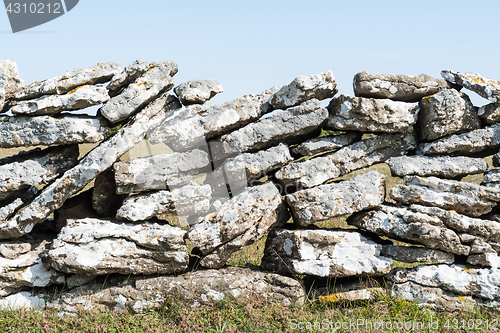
point(249, 46)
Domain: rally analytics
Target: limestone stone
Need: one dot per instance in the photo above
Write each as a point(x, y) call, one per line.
point(346, 197)
point(371, 115)
point(36, 167)
point(490, 177)
point(325, 144)
point(22, 300)
point(490, 113)
point(130, 73)
point(9, 81)
point(396, 87)
point(302, 88)
point(440, 166)
point(367, 294)
point(197, 91)
point(155, 81)
point(286, 126)
point(447, 112)
point(241, 221)
point(19, 131)
point(96, 247)
point(324, 252)
point(105, 200)
point(404, 224)
point(9, 206)
point(412, 254)
point(100, 73)
point(463, 197)
point(186, 200)
point(79, 98)
point(96, 161)
point(483, 86)
point(160, 171)
point(484, 260)
point(361, 154)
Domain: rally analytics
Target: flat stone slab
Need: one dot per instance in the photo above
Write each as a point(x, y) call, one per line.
point(197, 91)
point(159, 172)
point(325, 253)
point(483, 86)
point(36, 167)
point(21, 131)
point(490, 113)
point(302, 88)
point(440, 166)
point(9, 206)
point(396, 87)
point(484, 260)
point(9, 80)
point(413, 254)
point(490, 177)
point(325, 144)
point(447, 112)
point(79, 98)
point(463, 197)
point(186, 200)
point(361, 154)
point(155, 81)
point(346, 197)
point(371, 115)
point(100, 73)
point(239, 222)
point(96, 247)
point(130, 73)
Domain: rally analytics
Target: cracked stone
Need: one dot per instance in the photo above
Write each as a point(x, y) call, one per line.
point(412, 254)
point(483, 86)
point(197, 91)
point(130, 73)
point(325, 144)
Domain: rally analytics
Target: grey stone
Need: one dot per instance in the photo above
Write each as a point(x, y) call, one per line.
point(396, 87)
point(318, 170)
point(95, 162)
point(239, 222)
point(100, 73)
point(325, 144)
point(159, 172)
point(12, 250)
point(490, 113)
point(36, 167)
point(79, 98)
point(23, 300)
point(9, 206)
point(105, 201)
point(484, 260)
point(491, 177)
point(366, 294)
point(417, 254)
point(440, 166)
point(130, 73)
point(146, 88)
point(346, 197)
point(9, 81)
point(186, 200)
point(325, 253)
point(96, 247)
point(302, 88)
point(447, 112)
point(483, 86)
point(371, 115)
point(286, 126)
point(197, 91)
point(463, 197)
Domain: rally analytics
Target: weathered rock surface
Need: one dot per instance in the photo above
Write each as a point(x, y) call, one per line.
point(105, 201)
point(483, 86)
point(19, 131)
point(239, 222)
point(79, 98)
point(326, 201)
point(9, 206)
point(492, 178)
point(159, 172)
point(36, 167)
point(463, 197)
point(371, 115)
point(187, 200)
point(396, 87)
point(192, 126)
point(95, 162)
point(100, 73)
point(96, 247)
point(490, 113)
point(446, 112)
point(417, 254)
point(155, 81)
point(197, 91)
point(485, 260)
point(130, 73)
point(9, 80)
point(325, 144)
point(440, 166)
point(287, 126)
point(323, 252)
point(404, 224)
point(302, 88)
point(358, 155)
point(481, 141)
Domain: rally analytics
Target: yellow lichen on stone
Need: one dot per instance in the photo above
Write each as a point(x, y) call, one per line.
point(461, 298)
point(74, 90)
point(467, 269)
point(332, 298)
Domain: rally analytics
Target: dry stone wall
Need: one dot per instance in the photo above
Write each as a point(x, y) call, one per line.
point(212, 179)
